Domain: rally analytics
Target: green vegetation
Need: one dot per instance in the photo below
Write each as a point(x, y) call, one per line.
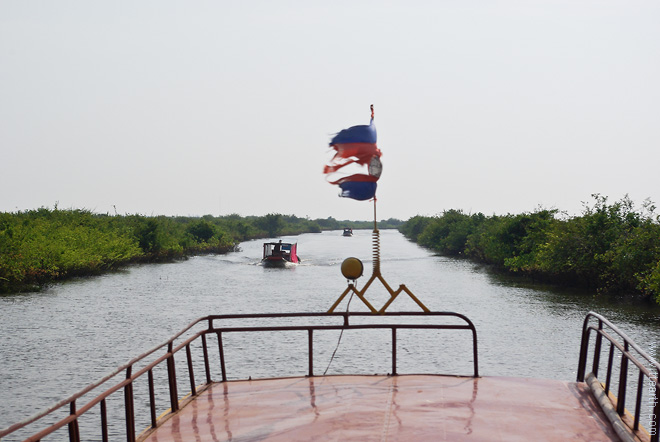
point(611, 248)
point(43, 245)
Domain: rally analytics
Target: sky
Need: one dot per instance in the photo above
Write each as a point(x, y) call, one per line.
point(215, 107)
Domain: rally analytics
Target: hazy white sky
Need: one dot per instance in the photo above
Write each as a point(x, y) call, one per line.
point(215, 107)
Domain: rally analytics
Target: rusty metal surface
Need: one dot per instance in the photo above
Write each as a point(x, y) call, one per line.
point(392, 408)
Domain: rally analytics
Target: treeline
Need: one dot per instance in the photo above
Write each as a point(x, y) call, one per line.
point(43, 245)
point(611, 248)
point(333, 224)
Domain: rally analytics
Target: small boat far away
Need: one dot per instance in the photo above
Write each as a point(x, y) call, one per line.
point(348, 231)
point(279, 254)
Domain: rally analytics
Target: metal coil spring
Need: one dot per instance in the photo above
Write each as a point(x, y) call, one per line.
point(376, 251)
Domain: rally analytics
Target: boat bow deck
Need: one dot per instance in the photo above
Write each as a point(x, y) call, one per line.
point(405, 407)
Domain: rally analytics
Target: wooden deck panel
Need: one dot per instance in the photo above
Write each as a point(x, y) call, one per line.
point(390, 408)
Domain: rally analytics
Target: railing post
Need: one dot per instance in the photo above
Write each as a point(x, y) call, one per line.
point(638, 400)
point(222, 357)
point(623, 380)
point(152, 399)
point(608, 378)
point(128, 405)
point(475, 352)
point(104, 422)
point(207, 367)
point(171, 377)
point(74, 431)
point(191, 373)
point(584, 347)
point(597, 346)
point(310, 349)
point(393, 351)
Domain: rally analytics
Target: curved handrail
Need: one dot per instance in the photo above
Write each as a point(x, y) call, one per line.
point(35, 417)
point(168, 357)
point(624, 344)
point(602, 320)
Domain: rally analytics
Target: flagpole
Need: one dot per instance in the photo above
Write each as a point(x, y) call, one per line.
point(371, 107)
point(377, 168)
point(376, 245)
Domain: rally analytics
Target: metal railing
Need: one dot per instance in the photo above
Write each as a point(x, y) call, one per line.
point(138, 368)
point(627, 352)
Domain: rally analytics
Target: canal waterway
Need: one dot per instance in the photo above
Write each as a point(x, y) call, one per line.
point(61, 339)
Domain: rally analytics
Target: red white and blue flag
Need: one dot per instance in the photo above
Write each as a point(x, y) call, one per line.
point(355, 166)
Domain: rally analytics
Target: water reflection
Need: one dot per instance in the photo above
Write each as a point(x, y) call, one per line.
point(564, 300)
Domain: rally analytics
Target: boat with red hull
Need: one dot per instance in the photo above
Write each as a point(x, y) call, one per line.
point(280, 254)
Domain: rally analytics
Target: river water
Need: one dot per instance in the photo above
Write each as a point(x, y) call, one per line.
point(59, 340)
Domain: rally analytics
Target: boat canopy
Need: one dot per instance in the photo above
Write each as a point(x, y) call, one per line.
point(288, 251)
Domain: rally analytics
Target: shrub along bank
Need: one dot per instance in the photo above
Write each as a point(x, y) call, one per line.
point(43, 245)
point(611, 248)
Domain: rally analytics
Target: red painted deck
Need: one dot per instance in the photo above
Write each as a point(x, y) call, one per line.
point(390, 408)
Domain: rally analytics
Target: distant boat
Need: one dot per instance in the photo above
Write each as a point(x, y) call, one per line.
point(279, 254)
point(348, 231)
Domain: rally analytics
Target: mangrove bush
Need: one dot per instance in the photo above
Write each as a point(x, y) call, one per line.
point(611, 248)
point(43, 245)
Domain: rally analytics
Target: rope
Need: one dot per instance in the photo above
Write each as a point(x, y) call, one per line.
point(340, 335)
